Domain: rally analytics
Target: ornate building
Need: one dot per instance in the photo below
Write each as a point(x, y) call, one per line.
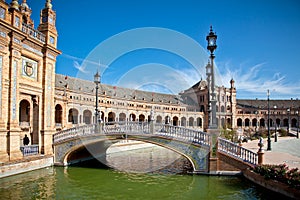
point(37, 102)
point(27, 78)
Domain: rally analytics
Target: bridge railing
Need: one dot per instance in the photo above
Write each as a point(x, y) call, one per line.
point(126, 127)
point(237, 151)
point(74, 132)
point(183, 133)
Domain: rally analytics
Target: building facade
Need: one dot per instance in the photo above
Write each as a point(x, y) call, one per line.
point(37, 102)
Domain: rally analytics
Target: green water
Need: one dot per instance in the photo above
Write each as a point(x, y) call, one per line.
point(96, 183)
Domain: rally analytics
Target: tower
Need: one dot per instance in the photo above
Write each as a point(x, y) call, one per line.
point(48, 29)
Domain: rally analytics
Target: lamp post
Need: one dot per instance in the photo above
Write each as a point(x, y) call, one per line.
point(275, 140)
point(211, 46)
point(269, 135)
point(97, 82)
point(288, 124)
point(297, 112)
point(256, 113)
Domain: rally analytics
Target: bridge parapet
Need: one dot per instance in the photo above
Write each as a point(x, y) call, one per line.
point(183, 134)
point(237, 151)
point(74, 132)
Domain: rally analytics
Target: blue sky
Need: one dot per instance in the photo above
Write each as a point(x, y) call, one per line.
point(258, 43)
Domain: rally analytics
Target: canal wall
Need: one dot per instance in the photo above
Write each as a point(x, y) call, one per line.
point(273, 185)
point(25, 166)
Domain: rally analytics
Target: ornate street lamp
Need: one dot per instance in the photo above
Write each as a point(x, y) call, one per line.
point(269, 134)
point(288, 124)
point(97, 82)
point(256, 113)
point(211, 46)
point(297, 112)
point(275, 140)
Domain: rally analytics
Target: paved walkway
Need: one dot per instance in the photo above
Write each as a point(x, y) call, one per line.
point(285, 150)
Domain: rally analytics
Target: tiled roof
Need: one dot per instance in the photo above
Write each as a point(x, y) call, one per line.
point(84, 86)
point(263, 104)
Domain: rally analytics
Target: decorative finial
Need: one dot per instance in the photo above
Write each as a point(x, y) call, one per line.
point(211, 30)
point(14, 4)
point(48, 4)
point(24, 5)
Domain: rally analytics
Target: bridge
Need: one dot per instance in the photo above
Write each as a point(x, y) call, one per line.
point(206, 153)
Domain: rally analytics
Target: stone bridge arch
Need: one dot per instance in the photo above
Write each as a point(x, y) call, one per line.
point(195, 149)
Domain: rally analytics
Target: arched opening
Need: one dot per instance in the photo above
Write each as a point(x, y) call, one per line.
point(87, 117)
point(199, 122)
point(175, 121)
point(183, 121)
point(247, 122)
point(58, 115)
point(262, 122)
point(191, 121)
point(254, 122)
point(24, 113)
point(167, 120)
point(132, 117)
point(159, 119)
point(278, 122)
point(73, 116)
point(122, 117)
point(111, 117)
point(141, 118)
point(239, 122)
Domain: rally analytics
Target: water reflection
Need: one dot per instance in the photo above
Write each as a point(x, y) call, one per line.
point(153, 158)
point(95, 183)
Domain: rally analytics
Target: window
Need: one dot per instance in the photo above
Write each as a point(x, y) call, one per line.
point(2, 13)
point(52, 40)
point(17, 21)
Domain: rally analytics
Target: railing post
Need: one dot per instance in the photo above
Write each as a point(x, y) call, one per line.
point(260, 152)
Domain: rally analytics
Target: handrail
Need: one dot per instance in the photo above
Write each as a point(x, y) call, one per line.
point(180, 133)
point(183, 134)
point(237, 151)
point(33, 33)
point(30, 150)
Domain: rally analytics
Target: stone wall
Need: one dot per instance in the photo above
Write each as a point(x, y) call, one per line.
point(26, 166)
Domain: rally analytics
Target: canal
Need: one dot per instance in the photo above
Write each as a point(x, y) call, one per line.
point(135, 177)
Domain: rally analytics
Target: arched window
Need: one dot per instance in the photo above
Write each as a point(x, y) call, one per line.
point(199, 122)
point(183, 121)
point(122, 117)
point(87, 117)
point(58, 114)
point(24, 112)
point(175, 121)
point(191, 121)
point(73, 116)
point(239, 122)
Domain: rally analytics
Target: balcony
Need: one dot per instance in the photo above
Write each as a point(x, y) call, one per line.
point(33, 33)
point(24, 125)
point(30, 150)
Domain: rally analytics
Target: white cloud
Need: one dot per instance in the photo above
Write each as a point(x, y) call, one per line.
point(255, 81)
